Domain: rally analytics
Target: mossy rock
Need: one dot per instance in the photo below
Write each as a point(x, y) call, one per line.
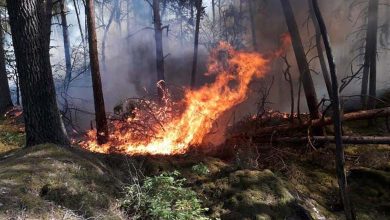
point(370, 192)
point(47, 182)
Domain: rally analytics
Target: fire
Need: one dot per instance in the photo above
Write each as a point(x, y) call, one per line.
point(177, 132)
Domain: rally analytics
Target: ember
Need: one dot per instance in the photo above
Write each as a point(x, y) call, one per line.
point(172, 132)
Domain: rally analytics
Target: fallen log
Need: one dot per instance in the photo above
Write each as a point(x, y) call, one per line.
point(353, 116)
point(327, 139)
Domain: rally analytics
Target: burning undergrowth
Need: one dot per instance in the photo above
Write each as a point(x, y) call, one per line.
point(170, 126)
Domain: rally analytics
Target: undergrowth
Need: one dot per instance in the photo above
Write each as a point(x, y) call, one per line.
point(163, 197)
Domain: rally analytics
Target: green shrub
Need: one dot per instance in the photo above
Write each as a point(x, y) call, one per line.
point(200, 169)
point(163, 197)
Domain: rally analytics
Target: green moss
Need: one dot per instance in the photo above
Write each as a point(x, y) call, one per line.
point(47, 177)
point(11, 137)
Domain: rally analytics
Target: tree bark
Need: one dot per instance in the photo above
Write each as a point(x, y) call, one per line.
point(5, 93)
point(30, 22)
point(307, 81)
point(253, 24)
point(100, 112)
point(340, 158)
point(67, 50)
point(321, 57)
point(199, 10)
point(159, 48)
point(369, 71)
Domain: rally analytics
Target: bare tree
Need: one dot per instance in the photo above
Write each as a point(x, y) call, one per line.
point(158, 29)
point(305, 73)
point(340, 161)
point(368, 92)
point(253, 24)
point(320, 52)
point(32, 43)
point(100, 112)
point(199, 12)
point(67, 50)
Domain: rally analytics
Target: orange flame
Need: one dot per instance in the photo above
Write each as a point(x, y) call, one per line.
point(234, 71)
point(286, 43)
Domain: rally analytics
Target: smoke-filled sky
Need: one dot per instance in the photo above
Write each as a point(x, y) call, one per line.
point(129, 70)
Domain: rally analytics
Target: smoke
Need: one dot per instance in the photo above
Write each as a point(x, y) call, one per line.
point(129, 69)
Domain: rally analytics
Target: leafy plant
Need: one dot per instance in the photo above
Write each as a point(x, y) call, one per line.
point(200, 169)
point(163, 197)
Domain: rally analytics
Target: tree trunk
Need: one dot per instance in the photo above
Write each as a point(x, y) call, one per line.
point(321, 57)
point(5, 93)
point(213, 11)
point(65, 34)
point(100, 112)
point(327, 139)
point(340, 159)
point(159, 49)
point(307, 81)
point(353, 116)
point(369, 71)
point(199, 10)
point(81, 31)
point(32, 43)
point(253, 24)
point(105, 36)
point(373, 54)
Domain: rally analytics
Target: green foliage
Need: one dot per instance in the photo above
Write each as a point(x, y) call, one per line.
point(163, 197)
point(10, 137)
point(201, 169)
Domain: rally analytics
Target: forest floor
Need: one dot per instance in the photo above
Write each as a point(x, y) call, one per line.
point(267, 182)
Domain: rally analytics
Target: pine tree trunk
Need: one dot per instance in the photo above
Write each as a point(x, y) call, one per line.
point(65, 34)
point(340, 160)
point(253, 24)
point(321, 57)
point(307, 81)
point(5, 93)
point(199, 10)
point(32, 43)
point(100, 112)
point(369, 70)
point(159, 48)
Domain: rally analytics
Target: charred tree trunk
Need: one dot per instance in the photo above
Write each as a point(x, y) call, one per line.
point(307, 81)
point(213, 11)
point(199, 11)
point(340, 159)
point(320, 52)
point(253, 24)
point(159, 48)
point(368, 92)
point(5, 93)
point(100, 112)
point(65, 35)
point(32, 43)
